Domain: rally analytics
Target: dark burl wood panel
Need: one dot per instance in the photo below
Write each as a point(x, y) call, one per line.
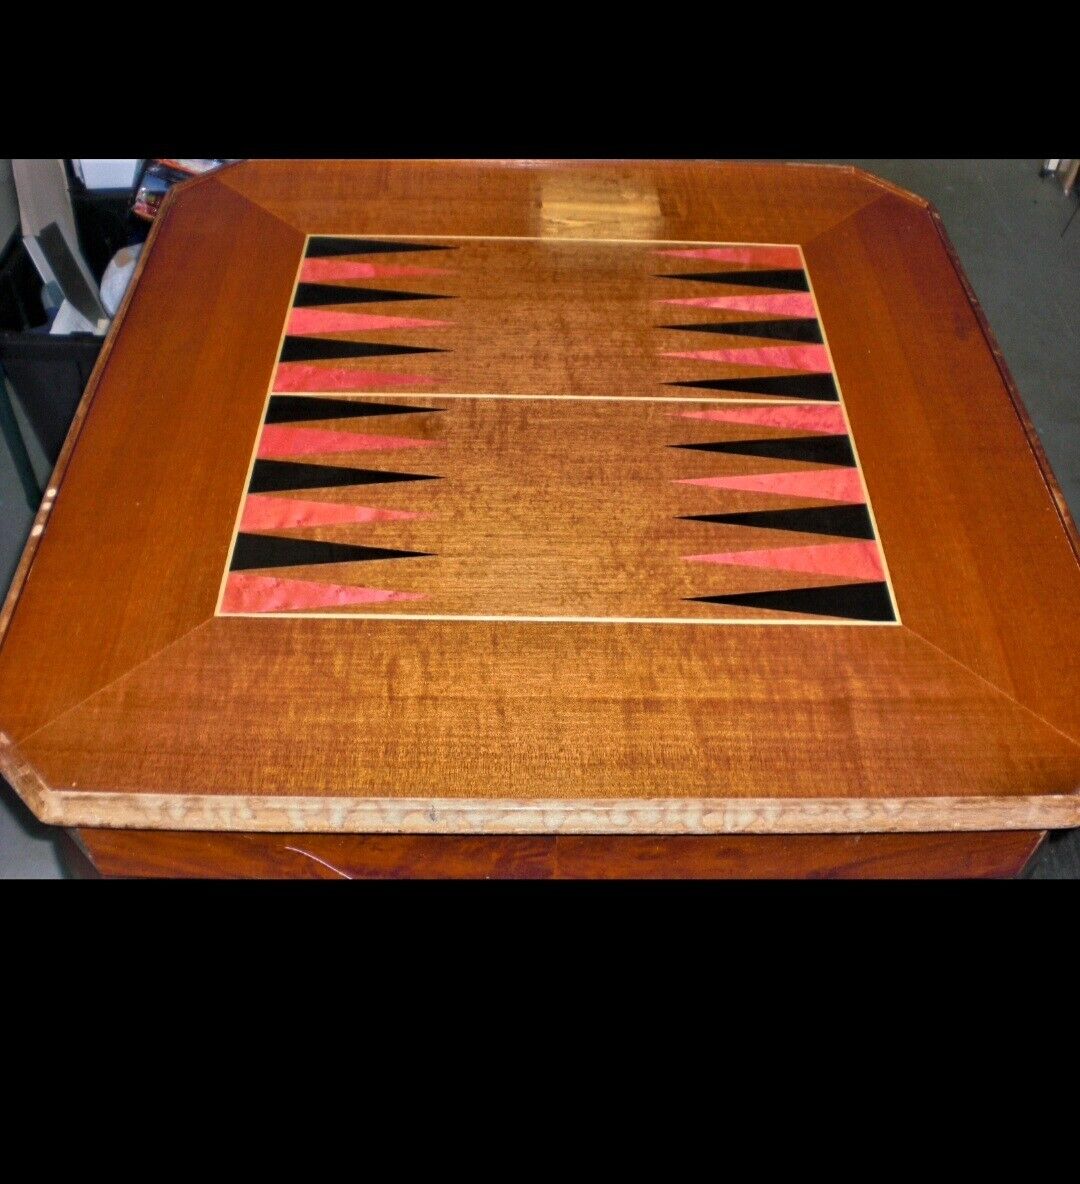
point(563, 857)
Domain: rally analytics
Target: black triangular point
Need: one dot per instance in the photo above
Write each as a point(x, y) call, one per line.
point(325, 349)
point(280, 476)
point(818, 387)
point(326, 246)
point(822, 450)
point(266, 550)
point(854, 602)
point(850, 522)
point(787, 279)
point(794, 329)
point(315, 295)
point(298, 408)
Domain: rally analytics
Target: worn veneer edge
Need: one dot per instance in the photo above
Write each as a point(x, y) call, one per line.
point(23, 778)
point(861, 174)
point(896, 190)
point(1034, 443)
point(605, 816)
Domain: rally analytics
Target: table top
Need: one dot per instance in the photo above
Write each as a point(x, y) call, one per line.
point(465, 497)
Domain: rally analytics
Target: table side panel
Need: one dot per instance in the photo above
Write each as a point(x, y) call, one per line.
point(563, 857)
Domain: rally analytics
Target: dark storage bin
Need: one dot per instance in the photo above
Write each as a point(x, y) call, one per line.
point(49, 375)
point(105, 224)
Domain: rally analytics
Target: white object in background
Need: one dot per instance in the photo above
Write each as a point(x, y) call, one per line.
point(42, 187)
point(70, 320)
point(106, 174)
point(117, 276)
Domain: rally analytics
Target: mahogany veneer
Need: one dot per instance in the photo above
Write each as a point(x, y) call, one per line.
point(601, 518)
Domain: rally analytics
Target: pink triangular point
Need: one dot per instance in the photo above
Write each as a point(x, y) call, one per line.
point(776, 357)
point(798, 418)
point(758, 256)
point(303, 376)
point(284, 513)
point(783, 304)
point(246, 593)
point(317, 271)
point(320, 320)
point(282, 440)
point(856, 561)
point(834, 485)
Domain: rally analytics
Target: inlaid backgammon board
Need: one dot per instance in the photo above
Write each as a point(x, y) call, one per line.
point(548, 519)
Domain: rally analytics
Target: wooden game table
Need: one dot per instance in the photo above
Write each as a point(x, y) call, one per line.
point(547, 519)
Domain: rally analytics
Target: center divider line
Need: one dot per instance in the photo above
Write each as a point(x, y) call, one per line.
point(773, 402)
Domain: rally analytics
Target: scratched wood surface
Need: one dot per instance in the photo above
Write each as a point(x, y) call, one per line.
point(128, 699)
point(217, 855)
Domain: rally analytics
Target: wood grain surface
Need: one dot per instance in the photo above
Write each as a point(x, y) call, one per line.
point(127, 700)
point(133, 853)
point(621, 473)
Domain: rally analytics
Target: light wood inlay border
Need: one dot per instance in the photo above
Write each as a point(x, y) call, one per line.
point(584, 619)
point(700, 816)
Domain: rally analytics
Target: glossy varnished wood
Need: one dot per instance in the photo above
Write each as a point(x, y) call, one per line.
point(124, 700)
point(545, 857)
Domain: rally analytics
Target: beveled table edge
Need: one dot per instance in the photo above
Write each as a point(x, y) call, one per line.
point(585, 815)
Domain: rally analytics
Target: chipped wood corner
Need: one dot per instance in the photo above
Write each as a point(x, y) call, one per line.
point(896, 190)
point(26, 781)
point(863, 175)
point(195, 179)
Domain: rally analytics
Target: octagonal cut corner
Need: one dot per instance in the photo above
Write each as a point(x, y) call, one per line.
point(907, 195)
point(25, 780)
